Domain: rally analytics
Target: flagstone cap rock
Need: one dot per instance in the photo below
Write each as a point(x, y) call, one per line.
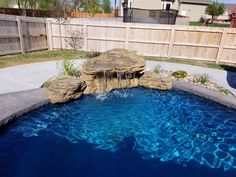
point(115, 61)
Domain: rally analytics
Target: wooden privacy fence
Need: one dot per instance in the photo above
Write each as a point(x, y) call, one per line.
point(20, 35)
point(197, 43)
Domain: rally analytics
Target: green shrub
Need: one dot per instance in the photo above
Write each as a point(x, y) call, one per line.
point(204, 78)
point(179, 74)
point(157, 69)
point(224, 91)
point(68, 68)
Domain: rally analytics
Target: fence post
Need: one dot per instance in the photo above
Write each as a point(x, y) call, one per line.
point(19, 25)
point(85, 37)
point(172, 36)
point(220, 49)
point(49, 34)
point(127, 37)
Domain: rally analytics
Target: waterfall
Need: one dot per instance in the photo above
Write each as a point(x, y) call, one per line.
point(119, 79)
point(104, 81)
point(103, 95)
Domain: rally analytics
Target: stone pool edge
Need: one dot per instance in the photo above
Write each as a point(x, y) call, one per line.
point(225, 100)
point(14, 105)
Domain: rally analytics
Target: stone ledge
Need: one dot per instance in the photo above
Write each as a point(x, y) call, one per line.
point(229, 101)
point(15, 104)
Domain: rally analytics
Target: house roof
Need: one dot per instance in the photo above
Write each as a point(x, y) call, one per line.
point(197, 1)
point(229, 7)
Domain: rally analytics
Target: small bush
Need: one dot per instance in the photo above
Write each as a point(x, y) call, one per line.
point(157, 69)
point(204, 78)
point(68, 68)
point(179, 74)
point(75, 39)
point(224, 91)
point(94, 54)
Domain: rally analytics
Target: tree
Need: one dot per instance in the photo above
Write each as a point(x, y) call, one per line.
point(106, 6)
point(4, 3)
point(78, 4)
point(214, 10)
point(91, 6)
point(48, 4)
point(22, 5)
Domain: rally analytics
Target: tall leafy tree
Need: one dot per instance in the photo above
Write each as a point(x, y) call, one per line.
point(91, 6)
point(77, 4)
point(4, 3)
point(214, 10)
point(48, 4)
point(106, 6)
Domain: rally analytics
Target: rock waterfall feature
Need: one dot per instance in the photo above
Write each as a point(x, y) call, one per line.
point(114, 69)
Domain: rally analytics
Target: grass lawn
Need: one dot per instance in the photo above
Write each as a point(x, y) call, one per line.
point(33, 57)
point(206, 64)
point(221, 25)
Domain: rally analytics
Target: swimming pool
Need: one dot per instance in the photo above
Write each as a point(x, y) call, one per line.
point(125, 133)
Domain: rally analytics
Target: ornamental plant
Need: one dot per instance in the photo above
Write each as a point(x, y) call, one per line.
point(157, 69)
point(180, 74)
point(204, 78)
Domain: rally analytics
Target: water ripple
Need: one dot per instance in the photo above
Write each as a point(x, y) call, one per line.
point(169, 126)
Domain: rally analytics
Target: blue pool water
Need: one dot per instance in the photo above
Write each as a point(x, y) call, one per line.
point(126, 133)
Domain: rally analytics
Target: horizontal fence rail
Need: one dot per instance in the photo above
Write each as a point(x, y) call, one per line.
point(21, 34)
point(196, 43)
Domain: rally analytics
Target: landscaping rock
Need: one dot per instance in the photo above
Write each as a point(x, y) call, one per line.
point(117, 68)
point(155, 81)
point(65, 88)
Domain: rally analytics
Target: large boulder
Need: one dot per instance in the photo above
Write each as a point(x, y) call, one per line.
point(115, 61)
point(64, 88)
point(117, 68)
point(153, 80)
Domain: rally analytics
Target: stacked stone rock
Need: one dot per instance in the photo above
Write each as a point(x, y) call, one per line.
point(114, 69)
point(65, 88)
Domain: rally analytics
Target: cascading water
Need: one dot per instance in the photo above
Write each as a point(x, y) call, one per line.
point(103, 95)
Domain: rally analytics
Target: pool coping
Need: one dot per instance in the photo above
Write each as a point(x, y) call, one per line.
point(14, 105)
point(225, 100)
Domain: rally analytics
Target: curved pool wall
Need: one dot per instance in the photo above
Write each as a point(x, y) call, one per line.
point(16, 104)
point(135, 132)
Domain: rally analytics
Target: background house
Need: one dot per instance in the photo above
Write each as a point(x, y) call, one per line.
point(194, 9)
point(228, 10)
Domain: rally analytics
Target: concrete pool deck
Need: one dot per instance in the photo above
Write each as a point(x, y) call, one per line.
point(32, 76)
point(14, 105)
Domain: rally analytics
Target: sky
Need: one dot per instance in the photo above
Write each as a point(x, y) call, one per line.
point(225, 1)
